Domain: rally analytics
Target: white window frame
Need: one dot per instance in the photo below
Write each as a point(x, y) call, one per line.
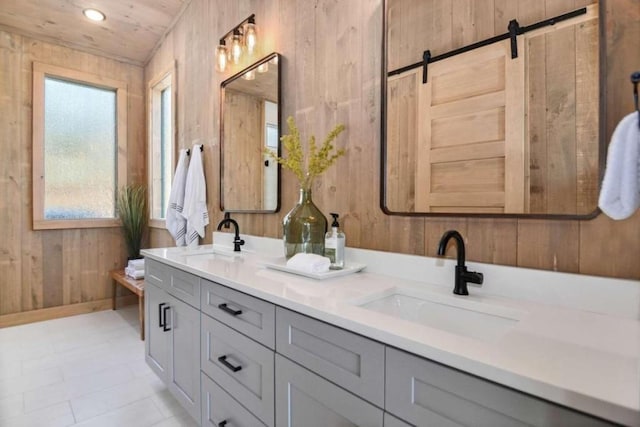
point(40, 71)
point(166, 78)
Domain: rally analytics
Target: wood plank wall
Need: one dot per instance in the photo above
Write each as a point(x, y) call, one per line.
point(53, 268)
point(331, 73)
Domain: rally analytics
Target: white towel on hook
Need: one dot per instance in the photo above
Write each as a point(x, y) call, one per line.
point(620, 193)
point(195, 199)
point(176, 223)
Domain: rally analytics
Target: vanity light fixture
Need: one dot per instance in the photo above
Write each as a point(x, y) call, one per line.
point(94, 15)
point(243, 37)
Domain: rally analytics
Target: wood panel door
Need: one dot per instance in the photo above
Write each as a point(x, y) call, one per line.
point(468, 118)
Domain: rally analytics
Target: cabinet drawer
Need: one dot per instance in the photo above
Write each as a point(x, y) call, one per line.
point(347, 359)
point(218, 407)
point(251, 316)
point(156, 273)
point(426, 393)
point(391, 421)
point(304, 399)
point(184, 286)
point(241, 366)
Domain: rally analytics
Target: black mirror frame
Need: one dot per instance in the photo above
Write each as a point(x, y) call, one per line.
point(602, 144)
point(222, 99)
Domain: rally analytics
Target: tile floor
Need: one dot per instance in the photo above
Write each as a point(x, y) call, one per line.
point(85, 370)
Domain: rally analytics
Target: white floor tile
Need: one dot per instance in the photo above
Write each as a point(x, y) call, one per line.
point(167, 404)
point(29, 382)
point(10, 369)
point(46, 396)
point(97, 403)
point(86, 369)
point(85, 384)
point(11, 406)
point(183, 420)
point(138, 414)
point(59, 415)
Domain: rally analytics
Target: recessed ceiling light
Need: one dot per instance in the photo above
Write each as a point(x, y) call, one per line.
point(94, 15)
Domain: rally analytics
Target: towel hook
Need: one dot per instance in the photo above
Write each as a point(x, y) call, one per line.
point(189, 150)
point(635, 79)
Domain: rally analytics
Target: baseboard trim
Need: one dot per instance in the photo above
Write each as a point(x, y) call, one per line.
point(15, 319)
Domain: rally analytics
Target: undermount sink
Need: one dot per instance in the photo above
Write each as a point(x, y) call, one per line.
point(213, 254)
point(457, 315)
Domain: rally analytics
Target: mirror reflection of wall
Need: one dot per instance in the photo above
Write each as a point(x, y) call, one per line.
point(486, 133)
point(250, 122)
point(271, 141)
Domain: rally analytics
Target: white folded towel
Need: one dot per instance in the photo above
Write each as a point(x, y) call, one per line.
point(620, 193)
point(136, 264)
point(176, 223)
point(195, 199)
point(134, 274)
point(309, 263)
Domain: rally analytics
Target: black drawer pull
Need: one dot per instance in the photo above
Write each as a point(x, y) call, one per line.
point(225, 307)
point(222, 423)
point(223, 360)
point(160, 322)
point(165, 328)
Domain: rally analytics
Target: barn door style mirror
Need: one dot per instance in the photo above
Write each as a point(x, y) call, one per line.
point(250, 122)
point(505, 125)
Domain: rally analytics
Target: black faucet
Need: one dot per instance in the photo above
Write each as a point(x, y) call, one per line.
point(462, 275)
point(237, 241)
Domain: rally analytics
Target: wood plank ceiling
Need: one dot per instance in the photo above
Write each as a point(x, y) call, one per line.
point(130, 33)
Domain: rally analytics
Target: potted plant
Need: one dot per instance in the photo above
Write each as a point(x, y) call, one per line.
point(132, 208)
point(304, 226)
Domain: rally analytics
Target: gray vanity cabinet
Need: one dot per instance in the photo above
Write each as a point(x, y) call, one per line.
point(172, 345)
point(156, 343)
point(425, 393)
point(304, 399)
point(391, 421)
point(184, 359)
point(240, 366)
point(349, 360)
point(220, 409)
point(253, 317)
point(214, 348)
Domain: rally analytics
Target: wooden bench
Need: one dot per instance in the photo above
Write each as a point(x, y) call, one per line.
point(135, 286)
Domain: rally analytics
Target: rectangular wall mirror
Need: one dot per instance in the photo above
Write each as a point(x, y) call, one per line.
point(250, 122)
point(480, 132)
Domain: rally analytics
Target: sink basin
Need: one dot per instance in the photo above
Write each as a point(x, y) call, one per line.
point(457, 315)
point(213, 254)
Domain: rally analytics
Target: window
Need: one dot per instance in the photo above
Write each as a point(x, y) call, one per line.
point(79, 148)
point(161, 96)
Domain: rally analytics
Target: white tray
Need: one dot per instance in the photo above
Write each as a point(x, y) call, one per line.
point(281, 265)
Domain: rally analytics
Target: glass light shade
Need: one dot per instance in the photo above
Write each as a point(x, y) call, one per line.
point(236, 48)
point(274, 61)
point(221, 58)
point(249, 75)
point(250, 37)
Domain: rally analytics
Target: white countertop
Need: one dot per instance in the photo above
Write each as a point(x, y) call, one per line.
point(577, 341)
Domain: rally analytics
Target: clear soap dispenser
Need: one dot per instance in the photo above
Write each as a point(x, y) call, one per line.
point(334, 245)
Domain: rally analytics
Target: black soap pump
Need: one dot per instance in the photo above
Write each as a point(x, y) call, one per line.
point(334, 245)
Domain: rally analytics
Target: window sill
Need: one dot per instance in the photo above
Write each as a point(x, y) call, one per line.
point(54, 224)
point(158, 223)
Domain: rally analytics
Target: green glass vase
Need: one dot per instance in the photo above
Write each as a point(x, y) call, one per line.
point(304, 227)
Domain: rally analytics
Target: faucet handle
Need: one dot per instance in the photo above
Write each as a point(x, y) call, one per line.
point(473, 277)
point(237, 242)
